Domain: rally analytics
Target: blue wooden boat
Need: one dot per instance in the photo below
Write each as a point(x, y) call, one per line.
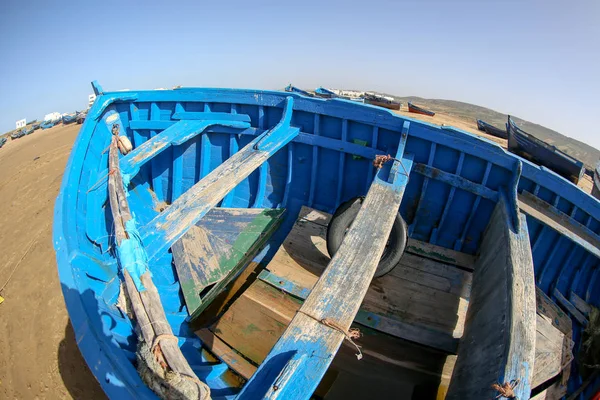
point(36, 126)
point(28, 130)
point(17, 134)
point(542, 153)
point(69, 118)
point(325, 93)
point(491, 129)
point(294, 89)
point(3, 141)
point(47, 124)
point(419, 110)
point(217, 226)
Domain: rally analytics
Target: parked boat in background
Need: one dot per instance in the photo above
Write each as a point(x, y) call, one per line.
point(80, 118)
point(491, 129)
point(325, 93)
point(36, 126)
point(3, 141)
point(280, 168)
point(596, 178)
point(47, 124)
point(28, 130)
point(419, 110)
point(69, 118)
point(381, 101)
point(293, 89)
point(17, 134)
point(542, 153)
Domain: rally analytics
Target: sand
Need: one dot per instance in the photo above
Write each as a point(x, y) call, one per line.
point(39, 358)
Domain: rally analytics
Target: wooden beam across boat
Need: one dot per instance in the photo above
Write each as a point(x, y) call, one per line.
point(169, 226)
point(560, 222)
point(498, 345)
point(298, 361)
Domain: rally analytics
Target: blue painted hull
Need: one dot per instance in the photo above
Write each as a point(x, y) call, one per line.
point(533, 149)
point(47, 124)
point(491, 130)
point(322, 167)
point(68, 119)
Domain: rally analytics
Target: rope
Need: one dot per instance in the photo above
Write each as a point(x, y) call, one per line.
point(203, 387)
point(506, 389)
point(379, 160)
point(349, 335)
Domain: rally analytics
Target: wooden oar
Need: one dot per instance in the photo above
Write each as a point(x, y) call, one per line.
point(145, 301)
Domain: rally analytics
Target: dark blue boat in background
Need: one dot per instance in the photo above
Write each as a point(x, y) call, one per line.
point(419, 110)
point(491, 129)
point(325, 93)
point(542, 153)
point(294, 89)
point(271, 179)
point(69, 118)
point(3, 141)
point(47, 124)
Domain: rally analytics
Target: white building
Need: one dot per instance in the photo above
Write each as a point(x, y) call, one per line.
point(55, 116)
point(21, 123)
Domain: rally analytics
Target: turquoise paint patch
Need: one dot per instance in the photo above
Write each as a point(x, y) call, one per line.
point(132, 256)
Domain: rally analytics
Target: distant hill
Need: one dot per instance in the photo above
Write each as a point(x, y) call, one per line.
point(573, 147)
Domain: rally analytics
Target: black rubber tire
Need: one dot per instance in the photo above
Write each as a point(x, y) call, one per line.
point(340, 222)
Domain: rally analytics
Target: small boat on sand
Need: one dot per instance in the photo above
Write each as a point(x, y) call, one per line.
point(47, 124)
point(260, 244)
point(325, 93)
point(542, 153)
point(17, 134)
point(3, 141)
point(69, 118)
point(382, 101)
point(294, 89)
point(419, 110)
point(491, 129)
point(28, 130)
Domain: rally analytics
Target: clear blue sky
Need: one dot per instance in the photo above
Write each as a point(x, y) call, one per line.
point(537, 60)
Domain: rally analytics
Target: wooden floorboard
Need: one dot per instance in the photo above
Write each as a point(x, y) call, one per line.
point(419, 291)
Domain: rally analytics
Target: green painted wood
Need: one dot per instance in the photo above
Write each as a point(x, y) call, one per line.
point(217, 248)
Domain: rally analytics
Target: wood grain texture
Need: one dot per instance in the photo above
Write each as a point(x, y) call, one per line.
point(226, 354)
point(560, 222)
point(218, 246)
point(421, 299)
point(499, 340)
point(553, 351)
point(306, 348)
point(170, 225)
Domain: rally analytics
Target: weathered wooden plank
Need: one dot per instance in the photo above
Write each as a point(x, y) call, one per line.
point(580, 304)
point(442, 254)
point(225, 239)
point(456, 181)
point(552, 351)
point(545, 306)
point(243, 250)
point(571, 309)
point(167, 227)
point(560, 222)
point(226, 354)
point(421, 300)
point(176, 134)
point(499, 340)
point(306, 348)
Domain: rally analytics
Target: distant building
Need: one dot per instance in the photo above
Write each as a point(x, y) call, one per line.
point(91, 99)
point(55, 116)
point(21, 123)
